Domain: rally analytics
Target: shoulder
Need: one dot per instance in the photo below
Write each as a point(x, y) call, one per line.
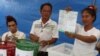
point(96, 30)
point(53, 22)
point(36, 21)
point(5, 34)
point(20, 32)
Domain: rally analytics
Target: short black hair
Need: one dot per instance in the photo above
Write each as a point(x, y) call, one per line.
point(48, 4)
point(9, 19)
point(91, 10)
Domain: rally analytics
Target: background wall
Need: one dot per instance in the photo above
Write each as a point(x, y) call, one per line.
point(26, 11)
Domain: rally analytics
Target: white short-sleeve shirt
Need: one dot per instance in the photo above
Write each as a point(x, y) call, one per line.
point(82, 48)
point(45, 31)
point(18, 34)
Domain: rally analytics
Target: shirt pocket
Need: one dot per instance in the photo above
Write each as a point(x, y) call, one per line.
point(36, 31)
point(48, 30)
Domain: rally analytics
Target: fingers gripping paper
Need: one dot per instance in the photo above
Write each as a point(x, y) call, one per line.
point(67, 21)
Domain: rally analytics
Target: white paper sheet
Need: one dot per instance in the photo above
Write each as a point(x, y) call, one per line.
point(67, 20)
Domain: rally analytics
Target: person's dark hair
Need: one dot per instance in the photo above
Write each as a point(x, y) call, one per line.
point(9, 19)
point(48, 4)
point(91, 10)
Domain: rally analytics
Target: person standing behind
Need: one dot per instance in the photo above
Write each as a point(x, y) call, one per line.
point(13, 32)
point(98, 46)
point(44, 30)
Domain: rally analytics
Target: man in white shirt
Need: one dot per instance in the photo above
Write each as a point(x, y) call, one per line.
point(13, 33)
point(44, 30)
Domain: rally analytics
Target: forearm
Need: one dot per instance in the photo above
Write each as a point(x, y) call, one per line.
point(34, 38)
point(53, 40)
point(88, 39)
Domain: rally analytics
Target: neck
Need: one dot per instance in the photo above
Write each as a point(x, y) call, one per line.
point(88, 27)
point(14, 32)
point(44, 20)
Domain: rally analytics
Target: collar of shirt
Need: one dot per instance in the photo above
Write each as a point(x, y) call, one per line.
point(15, 34)
point(45, 23)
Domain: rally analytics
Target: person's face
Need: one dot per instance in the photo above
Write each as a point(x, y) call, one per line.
point(12, 26)
point(46, 12)
point(87, 18)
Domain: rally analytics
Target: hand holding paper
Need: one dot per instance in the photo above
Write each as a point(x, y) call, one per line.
point(67, 21)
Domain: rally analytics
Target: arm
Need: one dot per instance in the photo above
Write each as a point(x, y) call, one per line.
point(49, 42)
point(34, 38)
point(5, 37)
point(53, 40)
point(98, 46)
point(88, 39)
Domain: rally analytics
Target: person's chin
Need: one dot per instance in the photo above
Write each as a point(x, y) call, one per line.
point(13, 31)
point(86, 24)
point(46, 17)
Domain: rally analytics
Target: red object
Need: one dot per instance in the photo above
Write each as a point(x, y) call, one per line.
point(9, 46)
point(2, 45)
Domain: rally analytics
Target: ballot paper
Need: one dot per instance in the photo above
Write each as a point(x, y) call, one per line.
point(67, 21)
